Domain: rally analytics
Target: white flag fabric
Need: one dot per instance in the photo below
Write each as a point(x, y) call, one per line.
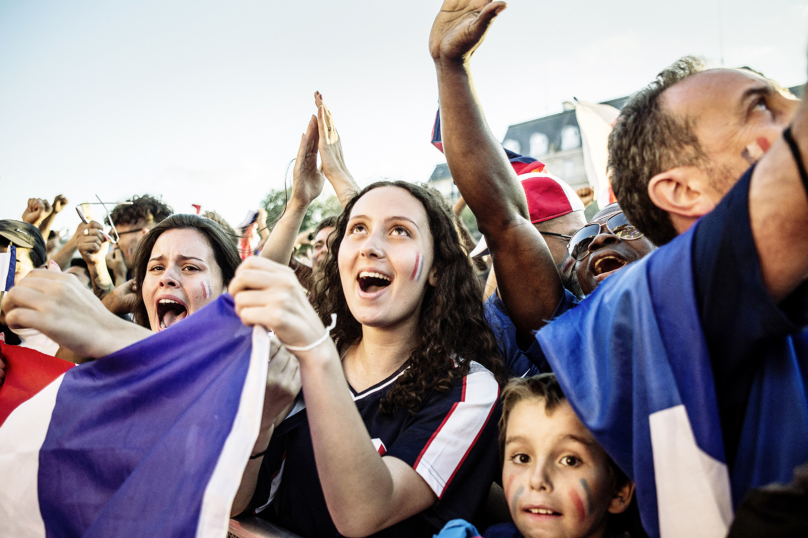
point(596, 121)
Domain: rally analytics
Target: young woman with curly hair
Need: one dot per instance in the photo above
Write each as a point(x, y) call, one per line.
point(396, 437)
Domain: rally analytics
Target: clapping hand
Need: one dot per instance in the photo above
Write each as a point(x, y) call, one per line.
point(460, 28)
point(330, 145)
point(308, 180)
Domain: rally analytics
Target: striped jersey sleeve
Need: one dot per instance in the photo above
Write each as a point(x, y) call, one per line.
point(452, 442)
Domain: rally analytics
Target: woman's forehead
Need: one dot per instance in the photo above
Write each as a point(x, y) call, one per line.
point(385, 202)
point(182, 242)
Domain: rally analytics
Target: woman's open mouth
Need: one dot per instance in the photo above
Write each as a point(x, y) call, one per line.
point(169, 312)
point(370, 282)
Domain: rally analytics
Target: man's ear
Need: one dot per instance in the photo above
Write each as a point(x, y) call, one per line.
point(682, 192)
point(622, 498)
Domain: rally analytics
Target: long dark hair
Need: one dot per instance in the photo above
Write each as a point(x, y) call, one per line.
point(224, 252)
point(452, 328)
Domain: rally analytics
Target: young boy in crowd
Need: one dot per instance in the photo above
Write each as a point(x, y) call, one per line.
point(558, 481)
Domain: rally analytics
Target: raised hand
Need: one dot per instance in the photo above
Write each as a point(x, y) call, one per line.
point(308, 179)
point(460, 28)
point(59, 203)
point(330, 145)
point(36, 211)
point(92, 244)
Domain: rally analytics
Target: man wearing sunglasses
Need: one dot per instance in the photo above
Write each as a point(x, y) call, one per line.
point(711, 322)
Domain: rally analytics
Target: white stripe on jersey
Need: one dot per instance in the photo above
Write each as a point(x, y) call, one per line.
point(452, 441)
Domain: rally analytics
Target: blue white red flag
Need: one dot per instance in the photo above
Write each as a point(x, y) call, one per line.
point(8, 266)
point(521, 164)
point(149, 441)
point(634, 364)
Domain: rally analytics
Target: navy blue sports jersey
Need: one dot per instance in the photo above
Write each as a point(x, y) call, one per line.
point(451, 442)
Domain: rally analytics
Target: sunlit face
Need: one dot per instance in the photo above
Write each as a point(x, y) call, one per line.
point(24, 263)
point(130, 236)
point(385, 259)
point(736, 115)
point(556, 477)
point(607, 254)
point(320, 247)
point(181, 277)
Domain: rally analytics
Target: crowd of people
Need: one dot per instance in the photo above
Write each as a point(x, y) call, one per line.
point(640, 373)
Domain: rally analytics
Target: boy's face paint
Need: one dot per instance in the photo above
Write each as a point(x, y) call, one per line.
point(556, 476)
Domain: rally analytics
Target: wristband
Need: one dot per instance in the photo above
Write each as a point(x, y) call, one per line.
point(795, 152)
point(319, 340)
point(256, 456)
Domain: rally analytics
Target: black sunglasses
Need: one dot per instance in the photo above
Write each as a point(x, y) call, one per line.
point(616, 224)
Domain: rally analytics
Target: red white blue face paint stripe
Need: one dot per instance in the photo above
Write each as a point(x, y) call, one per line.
point(419, 266)
point(754, 151)
point(206, 291)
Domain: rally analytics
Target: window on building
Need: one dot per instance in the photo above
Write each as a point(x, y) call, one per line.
point(570, 138)
point(512, 145)
point(539, 145)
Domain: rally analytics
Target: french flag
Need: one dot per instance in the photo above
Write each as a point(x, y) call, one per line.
point(8, 267)
point(633, 362)
point(149, 441)
point(520, 163)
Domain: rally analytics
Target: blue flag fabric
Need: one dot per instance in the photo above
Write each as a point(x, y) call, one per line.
point(8, 268)
point(633, 362)
point(149, 441)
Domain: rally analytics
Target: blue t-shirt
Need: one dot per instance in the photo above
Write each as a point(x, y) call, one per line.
point(520, 360)
point(451, 442)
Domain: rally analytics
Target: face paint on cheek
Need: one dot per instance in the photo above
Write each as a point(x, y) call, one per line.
point(508, 485)
point(515, 500)
point(590, 503)
point(419, 266)
point(579, 504)
point(754, 151)
point(206, 290)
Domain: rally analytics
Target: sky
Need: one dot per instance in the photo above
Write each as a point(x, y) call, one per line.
point(204, 102)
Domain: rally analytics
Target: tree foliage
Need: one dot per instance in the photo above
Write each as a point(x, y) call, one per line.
point(275, 203)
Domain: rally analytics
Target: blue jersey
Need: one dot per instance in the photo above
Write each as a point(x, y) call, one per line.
point(451, 442)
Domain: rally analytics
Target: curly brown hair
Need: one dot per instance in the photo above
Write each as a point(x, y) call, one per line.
point(453, 331)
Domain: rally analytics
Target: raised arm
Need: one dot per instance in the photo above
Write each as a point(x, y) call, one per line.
point(307, 184)
point(93, 248)
point(333, 160)
point(529, 282)
point(65, 254)
point(59, 203)
point(778, 210)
